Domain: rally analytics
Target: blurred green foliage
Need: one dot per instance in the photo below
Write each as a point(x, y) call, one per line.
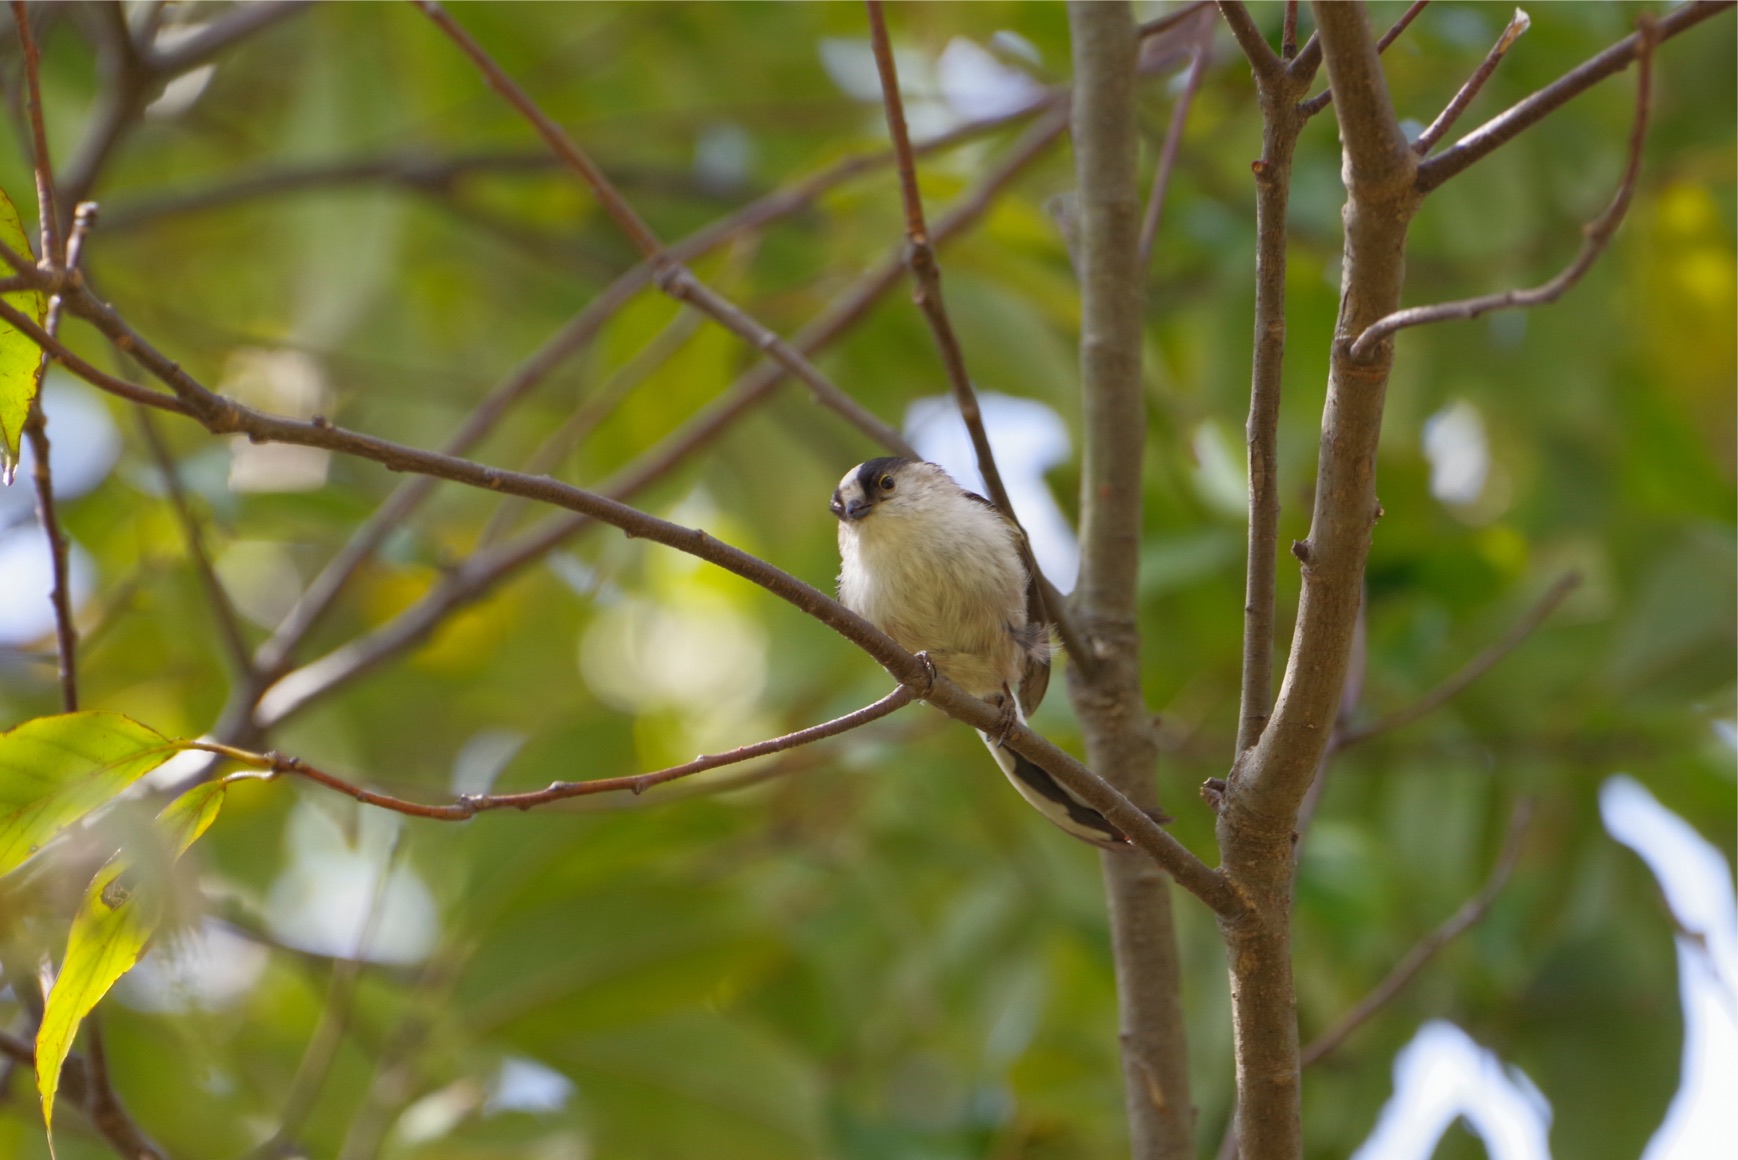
point(883, 953)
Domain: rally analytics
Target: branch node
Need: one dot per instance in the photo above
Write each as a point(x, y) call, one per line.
point(1301, 549)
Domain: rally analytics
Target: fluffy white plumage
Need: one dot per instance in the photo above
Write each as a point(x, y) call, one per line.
point(941, 571)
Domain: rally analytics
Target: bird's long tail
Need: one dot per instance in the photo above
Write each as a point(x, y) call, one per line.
point(1050, 798)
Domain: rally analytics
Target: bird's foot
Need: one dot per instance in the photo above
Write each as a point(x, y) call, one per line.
point(929, 672)
point(1007, 716)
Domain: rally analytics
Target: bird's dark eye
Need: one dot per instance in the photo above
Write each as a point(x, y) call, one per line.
point(886, 483)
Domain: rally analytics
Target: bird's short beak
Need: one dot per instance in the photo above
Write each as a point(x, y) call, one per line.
point(857, 509)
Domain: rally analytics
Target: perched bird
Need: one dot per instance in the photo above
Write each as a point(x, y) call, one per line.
point(943, 572)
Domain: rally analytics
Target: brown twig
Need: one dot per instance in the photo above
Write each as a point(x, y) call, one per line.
point(1279, 90)
point(1445, 120)
point(36, 419)
point(222, 609)
point(1507, 125)
point(321, 1051)
point(1288, 31)
point(1312, 53)
point(592, 411)
point(1170, 20)
point(1200, 56)
point(1598, 233)
point(470, 805)
point(1477, 667)
point(1262, 58)
point(81, 1087)
point(926, 292)
point(133, 71)
point(925, 272)
point(1470, 912)
point(670, 276)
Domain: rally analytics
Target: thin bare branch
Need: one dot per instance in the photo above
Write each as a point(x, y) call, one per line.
point(1281, 124)
point(1478, 666)
point(321, 1051)
point(1199, 58)
point(48, 216)
point(1170, 20)
point(1598, 233)
point(1262, 58)
point(1463, 919)
point(669, 275)
point(470, 805)
point(1510, 123)
point(222, 609)
point(36, 419)
point(85, 1085)
point(1311, 54)
point(1445, 120)
point(925, 272)
point(1050, 606)
point(237, 25)
point(592, 412)
point(1288, 31)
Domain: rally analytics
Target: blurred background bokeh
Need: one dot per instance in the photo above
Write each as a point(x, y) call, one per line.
point(869, 948)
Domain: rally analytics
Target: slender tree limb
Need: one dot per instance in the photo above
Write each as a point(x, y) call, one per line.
point(1311, 55)
point(1282, 121)
point(670, 275)
point(592, 412)
point(47, 214)
point(1478, 666)
point(1262, 58)
point(321, 1051)
point(133, 71)
point(1259, 808)
point(1463, 97)
point(1050, 606)
point(470, 805)
point(1598, 234)
point(1470, 913)
point(36, 419)
point(1200, 56)
point(1510, 123)
point(1170, 20)
point(1288, 31)
point(1108, 698)
point(222, 608)
point(81, 1086)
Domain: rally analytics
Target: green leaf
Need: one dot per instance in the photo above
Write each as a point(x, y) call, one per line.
point(20, 358)
point(119, 913)
point(55, 770)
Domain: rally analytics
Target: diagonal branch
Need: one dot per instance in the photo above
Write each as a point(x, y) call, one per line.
point(668, 274)
point(222, 609)
point(1463, 919)
point(1311, 56)
point(36, 419)
point(1200, 56)
point(1598, 233)
point(1445, 120)
point(1510, 123)
point(926, 292)
point(1481, 664)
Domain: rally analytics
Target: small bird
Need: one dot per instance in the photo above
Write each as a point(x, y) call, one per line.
point(942, 571)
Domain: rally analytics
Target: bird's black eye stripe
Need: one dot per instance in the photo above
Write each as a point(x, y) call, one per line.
point(886, 483)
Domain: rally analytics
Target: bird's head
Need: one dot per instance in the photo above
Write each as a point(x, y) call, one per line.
point(887, 484)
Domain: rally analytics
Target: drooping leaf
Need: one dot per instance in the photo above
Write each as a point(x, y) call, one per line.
point(20, 359)
point(55, 770)
point(117, 917)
